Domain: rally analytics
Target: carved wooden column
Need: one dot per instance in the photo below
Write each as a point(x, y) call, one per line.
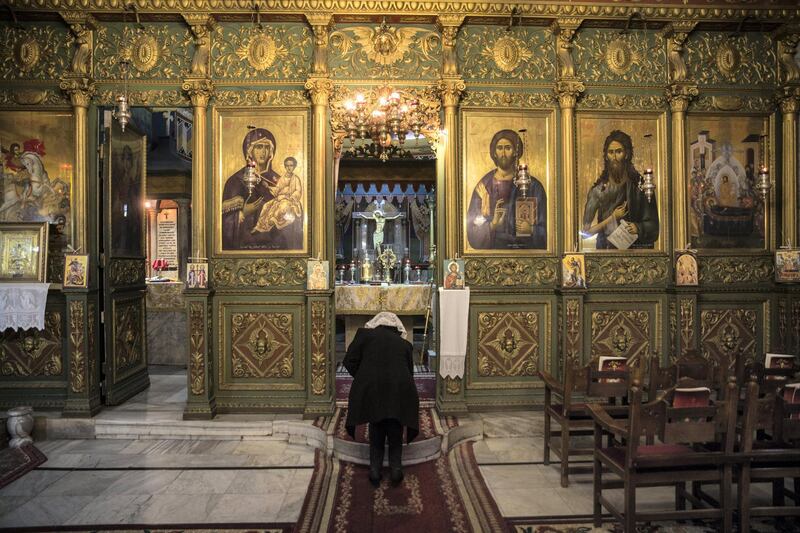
point(790, 102)
point(679, 95)
point(200, 91)
point(200, 399)
point(568, 89)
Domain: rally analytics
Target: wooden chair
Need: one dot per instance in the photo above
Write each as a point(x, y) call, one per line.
point(565, 404)
point(770, 380)
point(770, 460)
point(691, 367)
point(678, 458)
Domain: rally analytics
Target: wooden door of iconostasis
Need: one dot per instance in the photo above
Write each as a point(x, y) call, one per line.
point(122, 231)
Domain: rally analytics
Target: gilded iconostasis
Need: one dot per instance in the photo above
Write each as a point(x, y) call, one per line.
point(660, 148)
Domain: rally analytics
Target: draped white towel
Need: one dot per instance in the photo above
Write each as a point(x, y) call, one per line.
point(454, 324)
point(22, 305)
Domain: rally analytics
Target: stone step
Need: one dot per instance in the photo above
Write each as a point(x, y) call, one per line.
point(418, 451)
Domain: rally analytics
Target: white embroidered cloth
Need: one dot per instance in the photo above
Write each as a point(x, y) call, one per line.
point(386, 318)
point(22, 305)
point(454, 324)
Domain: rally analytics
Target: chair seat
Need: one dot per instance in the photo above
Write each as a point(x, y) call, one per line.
point(659, 452)
point(578, 410)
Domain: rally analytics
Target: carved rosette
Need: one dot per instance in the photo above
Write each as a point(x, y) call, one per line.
point(511, 272)
point(626, 270)
point(572, 344)
point(568, 92)
point(126, 271)
point(725, 333)
point(508, 99)
point(687, 323)
point(77, 340)
point(637, 57)
point(508, 344)
point(736, 270)
point(33, 353)
point(319, 339)
point(623, 333)
point(197, 347)
point(262, 345)
point(237, 273)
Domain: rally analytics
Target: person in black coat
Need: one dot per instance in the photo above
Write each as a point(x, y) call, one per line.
point(383, 391)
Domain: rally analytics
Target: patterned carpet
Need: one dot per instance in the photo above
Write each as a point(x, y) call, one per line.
point(16, 462)
point(426, 427)
point(757, 525)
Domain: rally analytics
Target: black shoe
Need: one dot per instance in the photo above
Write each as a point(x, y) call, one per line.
point(375, 463)
point(375, 476)
point(397, 476)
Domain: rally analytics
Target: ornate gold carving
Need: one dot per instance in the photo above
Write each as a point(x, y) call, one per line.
point(31, 97)
point(782, 343)
point(128, 335)
point(623, 333)
point(320, 90)
point(80, 90)
point(568, 92)
point(452, 385)
point(199, 90)
point(91, 351)
point(33, 353)
point(386, 51)
point(162, 51)
point(564, 29)
point(449, 25)
point(725, 333)
point(319, 339)
point(510, 272)
point(126, 271)
point(673, 328)
point(787, 51)
point(146, 97)
point(38, 51)
point(508, 99)
point(321, 26)
point(278, 97)
point(572, 344)
point(687, 323)
point(490, 52)
point(262, 345)
point(746, 102)
point(719, 58)
point(789, 98)
point(676, 33)
point(643, 102)
point(729, 270)
point(197, 347)
point(279, 52)
point(626, 270)
point(635, 57)
point(796, 324)
point(235, 273)
point(508, 344)
point(201, 25)
point(77, 367)
point(680, 95)
point(451, 90)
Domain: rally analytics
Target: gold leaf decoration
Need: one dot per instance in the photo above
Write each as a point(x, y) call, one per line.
point(604, 56)
point(508, 344)
point(197, 347)
point(452, 385)
point(743, 102)
point(717, 58)
point(77, 368)
point(32, 353)
point(625, 270)
point(726, 333)
point(277, 97)
point(319, 338)
point(509, 99)
point(235, 273)
point(736, 270)
point(157, 51)
point(36, 51)
point(510, 272)
point(643, 102)
point(147, 97)
point(126, 271)
point(25, 97)
point(278, 51)
point(623, 333)
point(489, 52)
point(262, 345)
point(128, 334)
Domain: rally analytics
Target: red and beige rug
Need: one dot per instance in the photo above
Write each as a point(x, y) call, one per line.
point(16, 462)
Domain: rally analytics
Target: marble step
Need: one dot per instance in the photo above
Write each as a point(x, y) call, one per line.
point(418, 451)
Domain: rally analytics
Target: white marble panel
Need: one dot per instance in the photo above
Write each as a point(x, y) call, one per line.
point(261, 481)
point(45, 511)
point(176, 509)
point(105, 509)
point(84, 483)
point(246, 508)
point(202, 482)
point(143, 482)
point(32, 483)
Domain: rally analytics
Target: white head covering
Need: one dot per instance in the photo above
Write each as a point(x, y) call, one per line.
point(385, 318)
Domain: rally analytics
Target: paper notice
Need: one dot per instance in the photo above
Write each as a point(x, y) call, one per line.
point(621, 237)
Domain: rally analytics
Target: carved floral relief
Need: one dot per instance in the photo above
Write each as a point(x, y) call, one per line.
point(491, 52)
point(157, 51)
point(275, 51)
point(717, 58)
point(36, 51)
point(508, 344)
point(605, 56)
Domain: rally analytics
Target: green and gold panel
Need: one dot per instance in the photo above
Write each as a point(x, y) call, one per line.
point(736, 270)
point(721, 59)
point(33, 353)
point(237, 274)
point(261, 344)
point(506, 272)
point(492, 53)
point(357, 52)
point(633, 271)
point(610, 57)
point(732, 326)
point(128, 337)
point(276, 51)
point(153, 51)
point(35, 51)
point(624, 327)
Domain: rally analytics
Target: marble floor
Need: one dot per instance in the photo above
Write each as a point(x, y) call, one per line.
point(126, 481)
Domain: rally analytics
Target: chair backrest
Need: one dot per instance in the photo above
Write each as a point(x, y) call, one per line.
point(715, 422)
point(787, 417)
point(759, 415)
point(609, 376)
point(772, 376)
point(689, 366)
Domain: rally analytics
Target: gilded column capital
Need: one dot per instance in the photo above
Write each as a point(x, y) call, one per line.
point(676, 34)
point(321, 27)
point(80, 89)
point(199, 90)
point(201, 26)
point(679, 95)
point(568, 92)
point(320, 90)
point(451, 89)
point(449, 25)
point(565, 29)
point(789, 99)
point(788, 38)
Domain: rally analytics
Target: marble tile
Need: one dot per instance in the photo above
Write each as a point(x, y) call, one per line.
point(9, 503)
point(291, 506)
point(301, 479)
point(97, 446)
point(260, 448)
point(202, 482)
point(176, 509)
point(32, 483)
point(529, 502)
point(45, 511)
point(143, 482)
point(261, 481)
point(246, 508)
point(84, 483)
point(515, 476)
point(118, 509)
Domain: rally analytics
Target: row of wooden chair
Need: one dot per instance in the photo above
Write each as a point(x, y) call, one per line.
point(663, 443)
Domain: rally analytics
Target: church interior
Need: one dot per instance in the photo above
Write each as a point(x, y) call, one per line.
point(582, 216)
